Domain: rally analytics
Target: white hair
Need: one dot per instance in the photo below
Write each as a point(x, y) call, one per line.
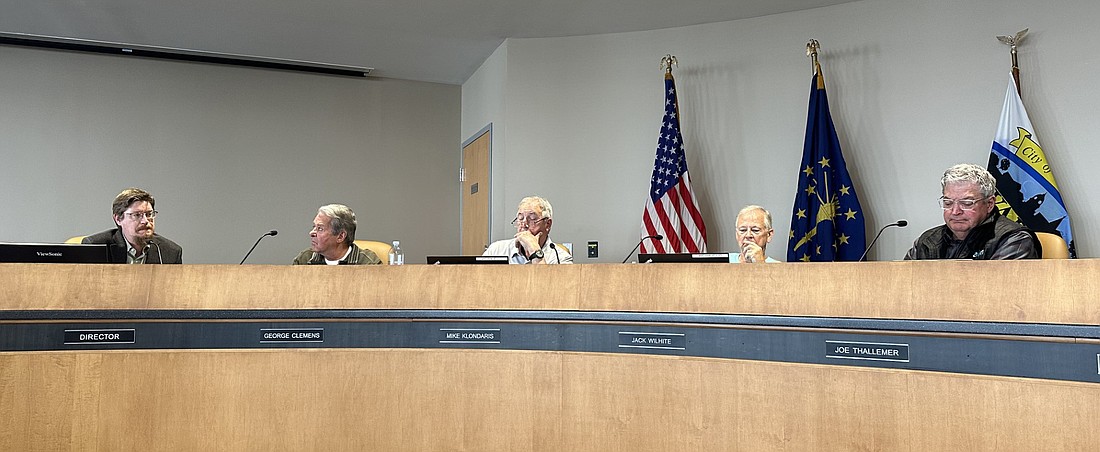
point(750, 208)
point(543, 204)
point(969, 172)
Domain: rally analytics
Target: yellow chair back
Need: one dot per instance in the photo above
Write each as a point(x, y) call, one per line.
point(382, 249)
point(1054, 246)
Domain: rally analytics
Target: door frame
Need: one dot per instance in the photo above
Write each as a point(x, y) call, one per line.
point(488, 129)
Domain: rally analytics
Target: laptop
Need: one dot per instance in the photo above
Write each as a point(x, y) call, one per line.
point(61, 253)
point(467, 260)
point(714, 258)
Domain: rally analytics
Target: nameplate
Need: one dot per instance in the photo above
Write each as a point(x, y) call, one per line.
point(658, 341)
point(100, 336)
point(469, 335)
point(284, 335)
point(871, 351)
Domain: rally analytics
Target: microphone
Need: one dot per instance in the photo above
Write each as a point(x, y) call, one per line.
point(159, 256)
point(271, 233)
point(556, 255)
point(654, 236)
point(899, 223)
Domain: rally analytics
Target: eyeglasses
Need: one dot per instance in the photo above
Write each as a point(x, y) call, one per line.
point(965, 205)
point(754, 230)
point(528, 220)
point(139, 215)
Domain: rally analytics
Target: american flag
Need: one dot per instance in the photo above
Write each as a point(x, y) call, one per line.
point(671, 209)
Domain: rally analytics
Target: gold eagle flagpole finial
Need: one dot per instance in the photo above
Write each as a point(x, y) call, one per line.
point(1013, 42)
point(667, 62)
point(811, 51)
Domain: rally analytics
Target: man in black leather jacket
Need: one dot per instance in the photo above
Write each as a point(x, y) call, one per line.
point(973, 228)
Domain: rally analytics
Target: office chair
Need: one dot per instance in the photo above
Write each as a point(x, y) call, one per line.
point(382, 249)
point(1054, 246)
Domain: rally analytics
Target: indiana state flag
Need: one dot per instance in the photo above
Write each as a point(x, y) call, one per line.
point(827, 224)
point(1025, 181)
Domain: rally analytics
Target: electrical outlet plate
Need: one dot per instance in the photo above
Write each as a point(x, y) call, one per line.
point(593, 249)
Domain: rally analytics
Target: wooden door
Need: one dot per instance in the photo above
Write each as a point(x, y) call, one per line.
point(475, 193)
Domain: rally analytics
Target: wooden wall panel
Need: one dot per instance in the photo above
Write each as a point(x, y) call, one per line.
point(519, 401)
point(280, 400)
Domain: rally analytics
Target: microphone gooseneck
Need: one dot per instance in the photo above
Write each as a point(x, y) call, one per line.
point(271, 233)
point(556, 255)
point(160, 257)
point(899, 223)
point(654, 236)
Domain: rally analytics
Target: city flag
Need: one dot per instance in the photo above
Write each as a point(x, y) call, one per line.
point(827, 222)
point(671, 210)
point(1025, 181)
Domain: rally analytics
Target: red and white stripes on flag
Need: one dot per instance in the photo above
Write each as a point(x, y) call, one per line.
point(671, 209)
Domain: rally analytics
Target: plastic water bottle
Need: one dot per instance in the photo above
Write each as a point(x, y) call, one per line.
point(397, 257)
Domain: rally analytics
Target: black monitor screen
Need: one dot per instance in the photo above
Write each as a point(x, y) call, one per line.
point(61, 253)
point(684, 257)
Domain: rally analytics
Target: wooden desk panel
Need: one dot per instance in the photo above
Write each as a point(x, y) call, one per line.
point(1040, 291)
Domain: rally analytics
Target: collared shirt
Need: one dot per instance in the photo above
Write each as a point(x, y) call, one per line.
point(132, 257)
point(508, 248)
point(735, 258)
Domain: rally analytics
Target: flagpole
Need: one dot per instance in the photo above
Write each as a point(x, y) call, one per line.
point(667, 62)
point(811, 51)
point(1012, 42)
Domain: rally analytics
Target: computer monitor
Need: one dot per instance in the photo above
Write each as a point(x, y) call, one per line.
point(467, 260)
point(59, 253)
point(715, 258)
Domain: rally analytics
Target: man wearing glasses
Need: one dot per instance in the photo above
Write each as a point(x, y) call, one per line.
point(135, 241)
point(531, 244)
point(754, 232)
point(973, 227)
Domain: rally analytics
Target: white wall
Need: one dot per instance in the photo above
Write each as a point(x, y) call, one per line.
point(914, 88)
point(228, 152)
point(483, 104)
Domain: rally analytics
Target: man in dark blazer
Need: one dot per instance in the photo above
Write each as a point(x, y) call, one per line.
point(135, 241)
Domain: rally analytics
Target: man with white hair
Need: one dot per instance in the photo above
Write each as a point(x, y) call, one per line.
point(531, 244)
point(973, 227)
point(754, 232)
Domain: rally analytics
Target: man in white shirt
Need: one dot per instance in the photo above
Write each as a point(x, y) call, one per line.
point(754, 232)
point(531, 244)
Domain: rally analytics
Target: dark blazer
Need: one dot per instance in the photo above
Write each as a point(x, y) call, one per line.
point(163, 251)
